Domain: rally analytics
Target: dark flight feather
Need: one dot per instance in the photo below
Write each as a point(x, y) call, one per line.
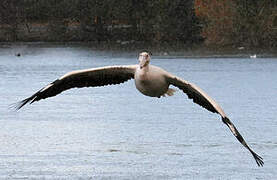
point(84, 78)
point(201, 98)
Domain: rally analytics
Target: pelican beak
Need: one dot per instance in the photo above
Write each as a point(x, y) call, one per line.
point(143, 61)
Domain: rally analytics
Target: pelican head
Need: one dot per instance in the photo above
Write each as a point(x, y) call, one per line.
point(144, 59)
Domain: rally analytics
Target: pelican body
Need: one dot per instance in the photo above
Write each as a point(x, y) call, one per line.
point(149, 80)
point(149, 83)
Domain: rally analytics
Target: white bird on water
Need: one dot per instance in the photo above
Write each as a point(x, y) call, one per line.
point(253, 56)
point(149, 80)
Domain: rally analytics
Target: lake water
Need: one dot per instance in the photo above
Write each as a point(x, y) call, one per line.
point(115, 132)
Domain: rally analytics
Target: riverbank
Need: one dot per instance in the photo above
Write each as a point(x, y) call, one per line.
point(196, 51)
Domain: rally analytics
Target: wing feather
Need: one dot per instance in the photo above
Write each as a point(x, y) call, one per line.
point(201, 98)
point(197, 95)
point(83, 78)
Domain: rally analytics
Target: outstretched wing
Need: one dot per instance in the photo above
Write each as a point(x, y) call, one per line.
point(83, 78)
point(200, 97)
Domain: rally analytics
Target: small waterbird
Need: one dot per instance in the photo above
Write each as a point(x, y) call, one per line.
point(253, 56)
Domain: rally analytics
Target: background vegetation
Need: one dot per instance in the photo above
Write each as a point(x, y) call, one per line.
point(213, 22)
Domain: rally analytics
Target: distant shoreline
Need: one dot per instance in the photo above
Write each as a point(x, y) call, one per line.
point(164, 50)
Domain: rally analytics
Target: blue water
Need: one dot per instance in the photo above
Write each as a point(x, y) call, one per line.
point(115, 132)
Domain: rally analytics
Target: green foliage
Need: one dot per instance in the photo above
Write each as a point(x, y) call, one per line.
point(253, 23)
point(155, 21)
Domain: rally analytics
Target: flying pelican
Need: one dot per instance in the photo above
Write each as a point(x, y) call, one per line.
point(149, 80)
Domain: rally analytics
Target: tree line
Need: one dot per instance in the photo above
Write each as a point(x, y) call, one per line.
point(239, 22)
point(214, 22)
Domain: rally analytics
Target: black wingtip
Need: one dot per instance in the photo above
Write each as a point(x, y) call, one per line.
point(258, 159)
point(20, 104)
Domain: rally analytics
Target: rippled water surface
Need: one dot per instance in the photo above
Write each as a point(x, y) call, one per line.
point(115, 132)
